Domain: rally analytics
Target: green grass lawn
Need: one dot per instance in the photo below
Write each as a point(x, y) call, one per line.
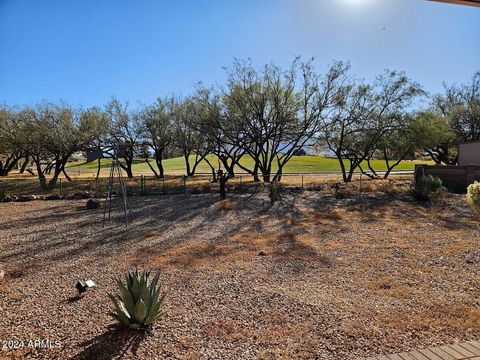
point(298, 164)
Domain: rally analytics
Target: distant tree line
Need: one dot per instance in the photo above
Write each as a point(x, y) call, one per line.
point(268, 115)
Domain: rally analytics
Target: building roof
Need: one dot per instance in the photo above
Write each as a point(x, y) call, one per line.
point(461, 2)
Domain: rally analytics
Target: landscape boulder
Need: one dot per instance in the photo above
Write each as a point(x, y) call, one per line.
point(93, 204)
point(6, 199)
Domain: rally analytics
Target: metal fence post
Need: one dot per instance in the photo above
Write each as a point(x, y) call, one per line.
point(143, 187)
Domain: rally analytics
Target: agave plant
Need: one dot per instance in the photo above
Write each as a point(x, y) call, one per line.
point(140, 301)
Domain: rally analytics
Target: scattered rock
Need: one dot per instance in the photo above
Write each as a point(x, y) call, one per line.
point(93, 204)
point(2, 274)
point(26, 198)
point(7, 199)
point(385, 286)
point(262, 253)
point(471, 257)
point(80, 195)
point(52, 197)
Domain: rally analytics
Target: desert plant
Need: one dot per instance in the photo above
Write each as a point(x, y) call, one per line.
point(273, 192)
point(140, 301)
point(473, 198)
point(429, 188)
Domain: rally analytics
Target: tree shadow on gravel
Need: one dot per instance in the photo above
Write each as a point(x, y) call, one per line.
point(112, 344)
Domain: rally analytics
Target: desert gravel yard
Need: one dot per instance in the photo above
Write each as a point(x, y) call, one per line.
point(310, 277)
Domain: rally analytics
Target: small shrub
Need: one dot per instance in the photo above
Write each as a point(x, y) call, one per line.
point(273, 192)
point(429, 188)
point(473, 198)
point(339, 192)
point(139, 302)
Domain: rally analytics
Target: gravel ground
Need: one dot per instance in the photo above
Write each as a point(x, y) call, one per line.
point(337, 279)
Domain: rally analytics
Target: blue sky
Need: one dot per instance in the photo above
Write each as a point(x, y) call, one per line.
point(86, 51)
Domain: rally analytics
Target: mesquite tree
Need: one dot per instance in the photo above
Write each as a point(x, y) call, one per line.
point(125, 135)
point(158, 129)
point(100, 137)
point(50, 134)
point(10, 152)
point(210, 123)
point(456, 115)
point(192, 143)
point(273, 113)
point(363, 115)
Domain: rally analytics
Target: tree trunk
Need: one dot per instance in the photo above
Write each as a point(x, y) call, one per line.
point(187, 164)
point(370, 167)
point(25, 163)
point(350, 171)
point(223, 193)
point(161, 171)
point(152, 168)
point(255, 172)
point(66, 175)
point(58, 168)
point(128, 170)
point(278, 175)
point(342, 167)
point(223, 178)
point(38, 165)
point(9, 164)
point(98, 168)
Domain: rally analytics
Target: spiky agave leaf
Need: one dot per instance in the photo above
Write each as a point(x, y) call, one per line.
point(154, 312)
point(140, 312)
point(121, 312)
point(126, 297)
point(120, 318)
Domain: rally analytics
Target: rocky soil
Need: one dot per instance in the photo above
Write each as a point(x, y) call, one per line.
point(311, 277)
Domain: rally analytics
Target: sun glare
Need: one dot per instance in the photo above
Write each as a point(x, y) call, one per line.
point(355, 2)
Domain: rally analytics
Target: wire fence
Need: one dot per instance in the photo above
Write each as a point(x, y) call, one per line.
point(178, 184)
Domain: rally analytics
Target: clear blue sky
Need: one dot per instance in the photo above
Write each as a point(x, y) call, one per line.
point(86, 51)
